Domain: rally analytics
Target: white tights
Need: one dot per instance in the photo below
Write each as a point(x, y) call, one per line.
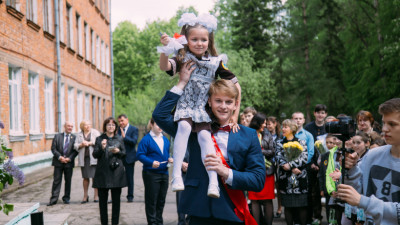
point(180, 145)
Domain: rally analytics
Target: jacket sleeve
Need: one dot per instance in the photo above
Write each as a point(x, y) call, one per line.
point(162, 113)
point(310, 146)
point(381, 212)
point(56, 153)
point(78, 141)
point(280, 158)
point(141, 153)
point(268, 145)
point(98, 151)
point(253, 176)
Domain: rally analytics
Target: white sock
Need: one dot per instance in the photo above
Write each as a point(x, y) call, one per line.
point(180, 145)
point(207, 147)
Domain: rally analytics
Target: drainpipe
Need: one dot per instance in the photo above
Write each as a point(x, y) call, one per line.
point(58, 66)
point(112, 62)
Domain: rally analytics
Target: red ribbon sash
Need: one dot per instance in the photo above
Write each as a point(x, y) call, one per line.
point(237, 196)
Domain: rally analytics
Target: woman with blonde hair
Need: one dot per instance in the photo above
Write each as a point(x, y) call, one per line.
point(84, 145)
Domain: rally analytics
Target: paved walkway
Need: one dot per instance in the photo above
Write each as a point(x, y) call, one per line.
point(39, 190)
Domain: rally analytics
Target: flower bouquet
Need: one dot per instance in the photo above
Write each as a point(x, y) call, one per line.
point(292, 151)
point(320, 147)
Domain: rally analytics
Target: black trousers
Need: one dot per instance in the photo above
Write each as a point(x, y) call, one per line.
point(314, 196)
point(116, 204)
point(155, 192)
point(129, 171)
point(57, 178)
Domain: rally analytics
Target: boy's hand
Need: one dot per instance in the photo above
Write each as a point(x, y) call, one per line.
point(164, 39)
point(349, 194)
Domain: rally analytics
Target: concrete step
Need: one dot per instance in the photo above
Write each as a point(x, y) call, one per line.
point(20, 215)
point(56, 219)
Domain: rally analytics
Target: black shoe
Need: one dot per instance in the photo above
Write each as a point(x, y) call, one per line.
point(130, 199)
point(66, 202)
point(277, 215)
point(95, 200)
point(109, 201)
point(51, 203)
point(87, 200)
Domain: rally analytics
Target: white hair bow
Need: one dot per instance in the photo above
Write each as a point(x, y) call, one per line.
point(207, 20)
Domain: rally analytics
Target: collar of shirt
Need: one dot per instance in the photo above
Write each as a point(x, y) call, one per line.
point(154, 135)
point(126, 128)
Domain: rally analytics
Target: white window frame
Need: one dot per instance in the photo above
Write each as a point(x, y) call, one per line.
point(60, 19)
point(31, 10)
point(49, 105)
point(94, 111)
point(99, 111)
point(87, 106)
point(34, 119)
point(70, 27)
point(103, 57)
point(48, 16)
point(79, 108)
point(62, 102)
point(16, 4)
point(98, 52)
point(71, 106)
point(15, 99)
point(79, 34)
point(87, 41)
point(93, 46)
point(104, 109)
point(107, 60)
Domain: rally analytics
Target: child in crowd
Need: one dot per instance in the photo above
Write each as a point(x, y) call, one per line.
point(360, 144)
point(198, 54)
point(329, 170)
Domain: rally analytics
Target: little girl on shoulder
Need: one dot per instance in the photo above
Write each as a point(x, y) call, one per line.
point(199, 54)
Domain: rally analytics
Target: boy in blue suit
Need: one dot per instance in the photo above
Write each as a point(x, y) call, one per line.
point(241, 150)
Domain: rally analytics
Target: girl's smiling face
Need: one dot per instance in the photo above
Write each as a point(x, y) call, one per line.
point(198, 41)
point(359, 145)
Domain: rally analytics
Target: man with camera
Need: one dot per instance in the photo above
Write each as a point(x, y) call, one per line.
point(377, 177)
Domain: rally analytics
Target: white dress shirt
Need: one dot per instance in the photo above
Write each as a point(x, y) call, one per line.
point(159, 140)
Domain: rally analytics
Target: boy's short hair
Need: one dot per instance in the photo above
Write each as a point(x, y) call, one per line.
point(320, 107)
point(224, 86)
point(292, 124)
point(390, 106)
point(251, 110)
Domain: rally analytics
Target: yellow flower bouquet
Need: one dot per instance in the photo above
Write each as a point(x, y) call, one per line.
point(293, 150)
point(320, 147)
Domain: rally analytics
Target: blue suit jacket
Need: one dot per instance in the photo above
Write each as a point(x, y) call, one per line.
point(130, 141)
point(245, 160)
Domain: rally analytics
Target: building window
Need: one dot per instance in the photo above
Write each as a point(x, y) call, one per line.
point(103, 57)
point(60, 19)
point(79, 108)
point(104, 108)
point(47, 16)
point(48, 105)
point(33, 86)
point(99, 111)
point(93, 46)
point(107, 60)
point(31, 10)
point(98, 52)
point(105, 9)
point(16, 4)
point(87, 107)
point(71, 106)
point(87, 41)
point(62, 103)
point(14, 85)
point(79, 34)
point(70, 31)
point(94, 111)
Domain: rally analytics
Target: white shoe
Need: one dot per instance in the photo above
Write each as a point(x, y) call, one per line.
point(213, 191)
point(177, 184)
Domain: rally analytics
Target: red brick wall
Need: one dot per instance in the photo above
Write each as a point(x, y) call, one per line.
point(22, 46)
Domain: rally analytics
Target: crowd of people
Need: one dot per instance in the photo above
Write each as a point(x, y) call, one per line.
point(220, 166)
